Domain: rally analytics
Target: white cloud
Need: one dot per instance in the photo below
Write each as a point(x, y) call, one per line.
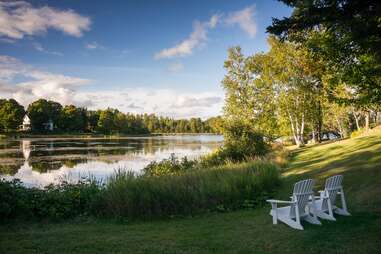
point(195, 39)
point(206, 101)
point(67, 90)
point(93, 45)
point(165, 102)
point(20, 18)
point(40, 48)
point(38, 84)
point(175, 67)
point(245, 19)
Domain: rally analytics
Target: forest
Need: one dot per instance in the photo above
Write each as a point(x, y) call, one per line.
point(71, 119)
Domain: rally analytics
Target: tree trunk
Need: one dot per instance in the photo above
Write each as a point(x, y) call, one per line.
point(319, 123)
point(340, 128)
point(367, 116)
point(301, 134)
point(293, 129)
point(357, 120)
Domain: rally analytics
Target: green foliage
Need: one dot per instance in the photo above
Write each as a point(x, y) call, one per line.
point(11, 115)
point(42, 111)
point(242, 141)
point(346, 35)
point(53, 202)
point(168, 188)
point(357, 133)
point(73, 119)
point(111, 121)
point(218, 189)
point(247, 98)
point(171, 166)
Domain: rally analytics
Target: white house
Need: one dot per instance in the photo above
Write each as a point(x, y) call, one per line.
point(25, 123)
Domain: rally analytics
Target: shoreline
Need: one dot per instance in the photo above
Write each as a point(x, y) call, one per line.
point(94, 136)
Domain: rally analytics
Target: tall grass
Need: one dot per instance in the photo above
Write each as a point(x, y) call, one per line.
point(221, 188)
point(131, 196)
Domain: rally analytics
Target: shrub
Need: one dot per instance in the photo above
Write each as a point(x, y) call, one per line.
point(241, 142)
point(171, 166)
point(357, 133)
point(53, 202)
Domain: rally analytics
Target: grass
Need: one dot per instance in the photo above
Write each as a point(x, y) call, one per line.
point(243, 231)
point(194, 192)
point(130, 196)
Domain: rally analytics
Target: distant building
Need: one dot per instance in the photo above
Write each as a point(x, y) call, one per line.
point(49, 126)
point(25, 123)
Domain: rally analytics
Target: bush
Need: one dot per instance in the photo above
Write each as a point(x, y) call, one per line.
point(196, 191)
point(171, 166)
point(241, 143)
point(357, 133)
point(53, 202)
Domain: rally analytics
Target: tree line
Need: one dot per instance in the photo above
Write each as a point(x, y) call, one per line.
point(72, 119)
point(321, 73)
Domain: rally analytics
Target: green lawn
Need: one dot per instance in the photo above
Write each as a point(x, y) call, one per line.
point(246, 231)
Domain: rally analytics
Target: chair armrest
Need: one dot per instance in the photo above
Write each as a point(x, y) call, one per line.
point(315, 197)
point(280, 201)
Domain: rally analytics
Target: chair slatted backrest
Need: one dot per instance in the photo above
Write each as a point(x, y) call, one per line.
point(333, 186)
point(302, 192)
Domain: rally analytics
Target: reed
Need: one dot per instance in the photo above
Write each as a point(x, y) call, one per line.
point(227, 187)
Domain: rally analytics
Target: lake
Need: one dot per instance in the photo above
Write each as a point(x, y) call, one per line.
point(41, 161)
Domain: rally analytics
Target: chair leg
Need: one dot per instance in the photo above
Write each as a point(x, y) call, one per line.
point(343, 210)
point(274, 213)
point(314, 210)
point(312, 220)
point(291, 223)
point(330, 209)
point(325, 216)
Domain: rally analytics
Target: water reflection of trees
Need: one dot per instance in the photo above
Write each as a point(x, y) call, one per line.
point(48, 155)
point(10, 169)
point(44, 166)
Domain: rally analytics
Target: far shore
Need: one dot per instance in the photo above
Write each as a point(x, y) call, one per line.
point(90, 135)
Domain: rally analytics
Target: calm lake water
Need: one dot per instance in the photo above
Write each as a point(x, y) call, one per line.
point(41, 161)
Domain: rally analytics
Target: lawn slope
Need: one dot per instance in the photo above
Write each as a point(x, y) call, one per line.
point(246, 231)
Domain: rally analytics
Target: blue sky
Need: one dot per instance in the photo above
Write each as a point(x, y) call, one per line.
point(163, 57)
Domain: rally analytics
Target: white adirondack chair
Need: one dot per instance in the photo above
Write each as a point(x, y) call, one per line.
point(298, 208)
point(325, 204)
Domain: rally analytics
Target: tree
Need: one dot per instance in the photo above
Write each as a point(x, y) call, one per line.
point(42, 111)
point(11, 115)
point(106, 122)
point(355, 22)
point(248, 99)
point(346, 34)
point(92, 120)
point(297, 82)
point(272, 90)
point(73, 119)
point(214, 125)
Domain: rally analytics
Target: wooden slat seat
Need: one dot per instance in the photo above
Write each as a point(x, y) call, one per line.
point(298, 208)
point(326, 204)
